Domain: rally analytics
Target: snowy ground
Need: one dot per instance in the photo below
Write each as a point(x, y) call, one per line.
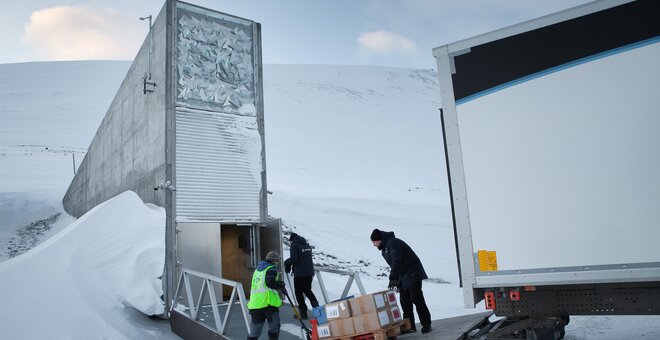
point(348, 149)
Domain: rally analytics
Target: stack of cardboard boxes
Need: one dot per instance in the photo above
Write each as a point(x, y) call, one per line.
point(365, 314)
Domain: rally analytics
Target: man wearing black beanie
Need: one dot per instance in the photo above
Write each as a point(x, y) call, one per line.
point(376, 235)
point(406, 274)
point(303, 272)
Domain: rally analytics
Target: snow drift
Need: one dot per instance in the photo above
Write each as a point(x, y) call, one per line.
point(109, 259)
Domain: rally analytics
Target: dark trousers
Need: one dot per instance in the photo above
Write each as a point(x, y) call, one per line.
point(259, 318)
point(303, 285)
point(413, 295)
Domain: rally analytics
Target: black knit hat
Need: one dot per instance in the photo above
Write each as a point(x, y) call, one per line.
point(376, 235)
point(293, 237)
point(273, 256)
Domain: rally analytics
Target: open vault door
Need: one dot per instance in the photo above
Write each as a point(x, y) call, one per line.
point(243, 247)
point(270, 238)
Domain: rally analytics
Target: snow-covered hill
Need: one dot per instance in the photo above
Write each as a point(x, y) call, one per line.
point(48, 113)
point(348, 148)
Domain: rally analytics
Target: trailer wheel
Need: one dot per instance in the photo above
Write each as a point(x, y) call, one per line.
point(562, 326)
point(543, 333)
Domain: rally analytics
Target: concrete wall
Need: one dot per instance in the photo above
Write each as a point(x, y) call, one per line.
point(128, 150)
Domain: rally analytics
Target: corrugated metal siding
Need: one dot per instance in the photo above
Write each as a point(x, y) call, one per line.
point(218, 166)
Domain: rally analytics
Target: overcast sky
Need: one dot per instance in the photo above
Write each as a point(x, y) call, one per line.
point(398, 33)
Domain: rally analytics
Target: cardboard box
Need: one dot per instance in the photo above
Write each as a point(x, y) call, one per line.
point(323, 331)
point(341, 327)
point(390, 296)
point(367, 303)
point(319, 314)
point(337, 310)
point(395, 314)
point(370, 322)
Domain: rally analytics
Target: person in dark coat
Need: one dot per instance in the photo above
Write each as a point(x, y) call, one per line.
point(303, 272)
point(406, 274)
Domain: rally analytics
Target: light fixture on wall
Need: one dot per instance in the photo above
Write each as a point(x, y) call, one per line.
point(147, 85)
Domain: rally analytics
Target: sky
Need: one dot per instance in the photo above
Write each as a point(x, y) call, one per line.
point(397, 33)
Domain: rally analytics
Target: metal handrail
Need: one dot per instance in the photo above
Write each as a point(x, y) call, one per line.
point(207, 288)
point(352, 277)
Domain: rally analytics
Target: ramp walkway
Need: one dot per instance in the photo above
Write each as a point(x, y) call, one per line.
point(209, 318)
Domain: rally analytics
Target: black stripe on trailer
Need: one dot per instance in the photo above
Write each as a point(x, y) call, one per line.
point(451, 197)
point(509, 59)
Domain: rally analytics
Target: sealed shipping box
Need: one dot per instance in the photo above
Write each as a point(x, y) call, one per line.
point(336, 310)
point(319, 314)
point(390, 297)
point(395, 314)
point(367, 323)
point(368, 303)
point(336, 328)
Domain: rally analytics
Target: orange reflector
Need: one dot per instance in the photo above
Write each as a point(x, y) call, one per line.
point(514, 295)
point(530, 288)
point(490, 300)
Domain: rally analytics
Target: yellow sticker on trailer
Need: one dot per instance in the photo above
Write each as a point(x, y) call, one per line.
point(492, 261)
point(487, 260)
point(483, 260)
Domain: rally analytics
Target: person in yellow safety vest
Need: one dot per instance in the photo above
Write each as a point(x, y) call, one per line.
point(265, 301)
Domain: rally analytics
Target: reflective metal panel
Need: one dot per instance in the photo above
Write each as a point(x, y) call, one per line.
point(218, 167)
point(219, 146)
point(214, 60)
point(199, 249)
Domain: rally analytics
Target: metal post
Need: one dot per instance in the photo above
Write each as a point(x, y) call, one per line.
point(219, 325)
point(191, 301)
point(323, 290)
point(359, 284)
point(347, 288)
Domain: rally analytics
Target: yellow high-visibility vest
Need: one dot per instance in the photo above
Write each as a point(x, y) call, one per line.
point(262, 296)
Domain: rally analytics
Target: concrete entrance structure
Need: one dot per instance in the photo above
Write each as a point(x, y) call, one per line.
point(185, 131)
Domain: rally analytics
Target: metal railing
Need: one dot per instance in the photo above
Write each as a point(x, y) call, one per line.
point(207, 288)
point(352, 277)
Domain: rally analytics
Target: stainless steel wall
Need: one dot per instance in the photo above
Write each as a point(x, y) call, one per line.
point(219, 161)
point(128, 150)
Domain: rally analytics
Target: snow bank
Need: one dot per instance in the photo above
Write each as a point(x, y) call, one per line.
point(87, 275)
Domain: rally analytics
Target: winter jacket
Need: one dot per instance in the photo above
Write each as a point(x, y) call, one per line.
point(300, 258)
point(272, 274)
point(405, 266)
point(264, 287)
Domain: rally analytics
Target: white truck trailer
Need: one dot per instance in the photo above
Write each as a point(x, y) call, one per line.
point(553, 155)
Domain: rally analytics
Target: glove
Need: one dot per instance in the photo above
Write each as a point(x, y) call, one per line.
point(287, 268)
point(280, 284)
point(393, 285)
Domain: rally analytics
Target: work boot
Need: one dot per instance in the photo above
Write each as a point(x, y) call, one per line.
point(303, 314)
point(314, 304)
point(407, 331)
point(426, 329)
point(273, 336)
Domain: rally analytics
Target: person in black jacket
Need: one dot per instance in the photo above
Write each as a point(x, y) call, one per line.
point(303, 272)
point(406, 274)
